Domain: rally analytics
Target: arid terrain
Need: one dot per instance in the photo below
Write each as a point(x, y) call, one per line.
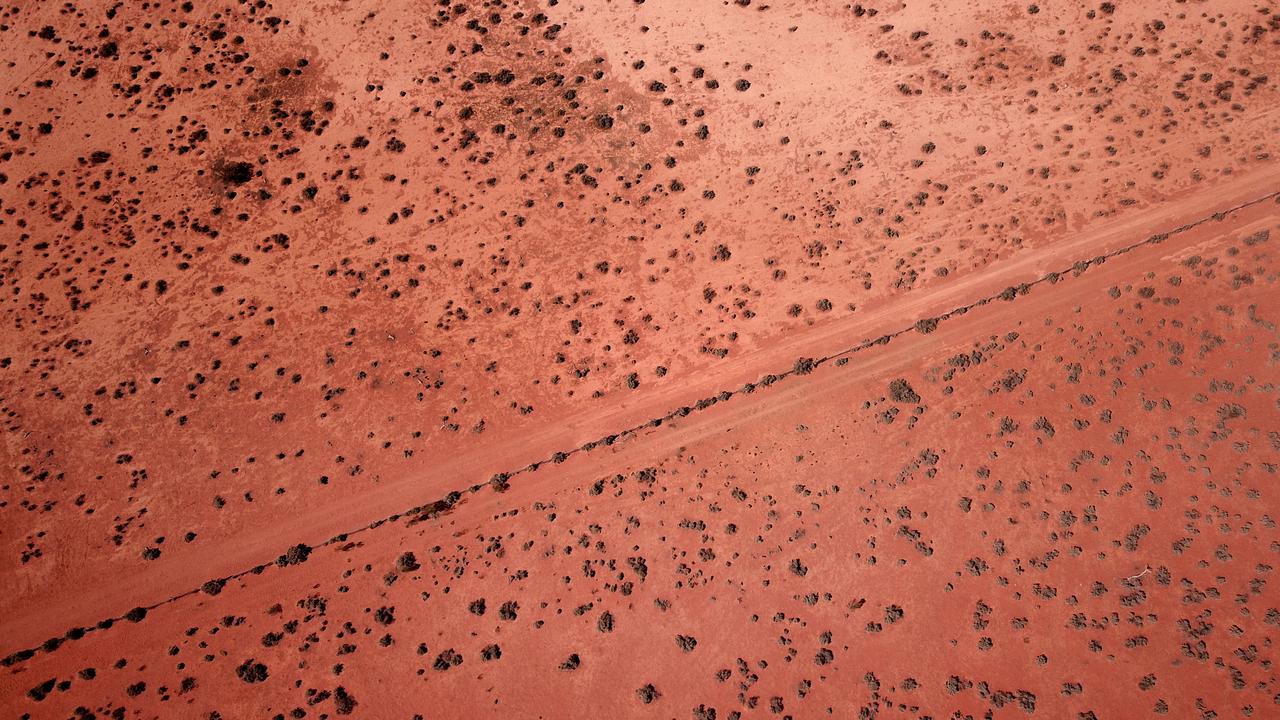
point(639, 359)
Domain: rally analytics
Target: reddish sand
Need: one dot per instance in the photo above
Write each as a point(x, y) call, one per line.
point(710, 360)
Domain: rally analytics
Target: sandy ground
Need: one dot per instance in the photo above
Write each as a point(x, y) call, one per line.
point(286, 288)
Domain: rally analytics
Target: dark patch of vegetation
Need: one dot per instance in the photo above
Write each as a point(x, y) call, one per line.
point(901, 392)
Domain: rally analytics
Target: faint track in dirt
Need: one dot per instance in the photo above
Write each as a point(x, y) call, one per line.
point(296, 554)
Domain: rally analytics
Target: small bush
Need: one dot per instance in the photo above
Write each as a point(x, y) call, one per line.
point(251, 671)
point(924, 326)
point(901, 392)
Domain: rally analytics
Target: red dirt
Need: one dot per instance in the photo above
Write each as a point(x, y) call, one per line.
point(374, 301)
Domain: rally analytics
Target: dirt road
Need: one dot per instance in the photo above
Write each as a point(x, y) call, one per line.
point(1247, 200)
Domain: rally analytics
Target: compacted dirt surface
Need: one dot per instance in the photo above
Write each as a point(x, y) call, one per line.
point(639, 359)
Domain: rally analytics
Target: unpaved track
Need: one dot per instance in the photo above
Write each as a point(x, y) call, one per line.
point(1247, 201)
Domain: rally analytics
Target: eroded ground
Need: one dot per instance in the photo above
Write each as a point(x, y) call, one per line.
point(639, 359)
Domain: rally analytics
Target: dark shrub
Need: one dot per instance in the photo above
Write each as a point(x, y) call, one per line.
point(901, 392)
